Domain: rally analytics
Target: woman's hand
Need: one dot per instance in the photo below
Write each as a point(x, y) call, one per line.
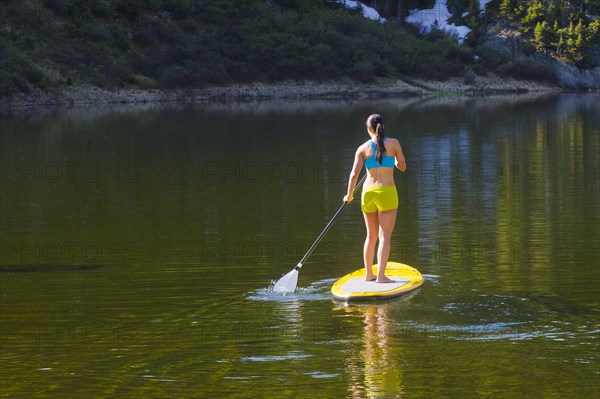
point(348, 198)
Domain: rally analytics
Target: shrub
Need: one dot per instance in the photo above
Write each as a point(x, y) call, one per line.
point(10, 84)
point(175, 76)
point(144, 82)
point(18, 72)
point(97, 32)
point(131, 9)
point(527, 69)
point(193, 43)
point(363, 71)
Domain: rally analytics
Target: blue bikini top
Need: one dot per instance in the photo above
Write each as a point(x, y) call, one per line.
point(386, 162)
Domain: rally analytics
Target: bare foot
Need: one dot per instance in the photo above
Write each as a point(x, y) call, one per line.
point(385, 280)
point(370, 278)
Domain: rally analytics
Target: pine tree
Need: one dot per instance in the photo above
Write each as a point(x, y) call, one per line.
point(473, 19)
point(593, 32)
point(539, 36)
point(579, 29)
point(506, 9)
point(570, 52)
point(553, 35)
point(473, 8)
point(535, 13)
point(570, 31)
point(581, 45)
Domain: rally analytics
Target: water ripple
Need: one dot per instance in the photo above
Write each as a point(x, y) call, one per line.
point(275, 358)
point(317, 291)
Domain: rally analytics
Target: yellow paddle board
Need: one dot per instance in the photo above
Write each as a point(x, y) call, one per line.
point(353, 287)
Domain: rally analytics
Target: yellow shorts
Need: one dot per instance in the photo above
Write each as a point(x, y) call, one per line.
point(379, 198)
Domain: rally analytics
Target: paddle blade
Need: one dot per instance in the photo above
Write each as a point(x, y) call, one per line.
point(287, 283)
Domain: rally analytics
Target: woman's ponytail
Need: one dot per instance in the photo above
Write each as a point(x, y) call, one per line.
point(375, 122)
point(380, 146)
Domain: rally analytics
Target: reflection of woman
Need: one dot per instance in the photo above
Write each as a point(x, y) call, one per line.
point(380, 358)
point(379, 201)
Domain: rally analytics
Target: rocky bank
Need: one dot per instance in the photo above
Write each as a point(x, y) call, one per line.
point(85, 95)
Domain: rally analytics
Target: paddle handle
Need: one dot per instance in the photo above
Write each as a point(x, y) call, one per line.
point(326, 229)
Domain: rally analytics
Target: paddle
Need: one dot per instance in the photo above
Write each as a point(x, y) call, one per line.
point(289, 282)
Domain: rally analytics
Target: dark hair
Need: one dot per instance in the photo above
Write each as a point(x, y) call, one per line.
point(375, 122)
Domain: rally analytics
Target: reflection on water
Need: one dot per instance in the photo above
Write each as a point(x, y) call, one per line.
point(375, 370)
point(137, 247)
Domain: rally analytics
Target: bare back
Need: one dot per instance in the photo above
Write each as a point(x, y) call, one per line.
point(382, 176)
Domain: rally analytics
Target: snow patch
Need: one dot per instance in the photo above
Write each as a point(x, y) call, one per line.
point(367, 12)
point(437, 17)
point(483, 4)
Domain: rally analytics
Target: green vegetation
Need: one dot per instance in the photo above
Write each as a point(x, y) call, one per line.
point(187, 43)
point(561, 28)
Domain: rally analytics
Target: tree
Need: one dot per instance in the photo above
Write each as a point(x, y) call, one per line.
point(541, 36)
point(535, 13)
point(506, 9)
point(570, 51)
point(593, 32)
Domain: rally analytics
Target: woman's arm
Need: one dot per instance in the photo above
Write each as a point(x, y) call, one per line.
point(400, 160)
point(356, 167)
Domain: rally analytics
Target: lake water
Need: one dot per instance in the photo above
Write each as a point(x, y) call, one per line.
point(138, 247)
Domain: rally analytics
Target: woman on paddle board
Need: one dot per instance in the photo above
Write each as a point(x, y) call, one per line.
point(379, 199)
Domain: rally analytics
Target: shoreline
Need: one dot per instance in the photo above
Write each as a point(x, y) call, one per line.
point(83, 96)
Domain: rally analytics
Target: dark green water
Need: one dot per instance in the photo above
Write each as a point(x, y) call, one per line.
point(137, 248)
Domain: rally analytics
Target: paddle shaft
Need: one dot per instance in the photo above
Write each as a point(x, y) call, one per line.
point(326, 229)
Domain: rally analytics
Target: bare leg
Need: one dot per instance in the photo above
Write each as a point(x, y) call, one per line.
point(387, 220)
point(372, 224)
